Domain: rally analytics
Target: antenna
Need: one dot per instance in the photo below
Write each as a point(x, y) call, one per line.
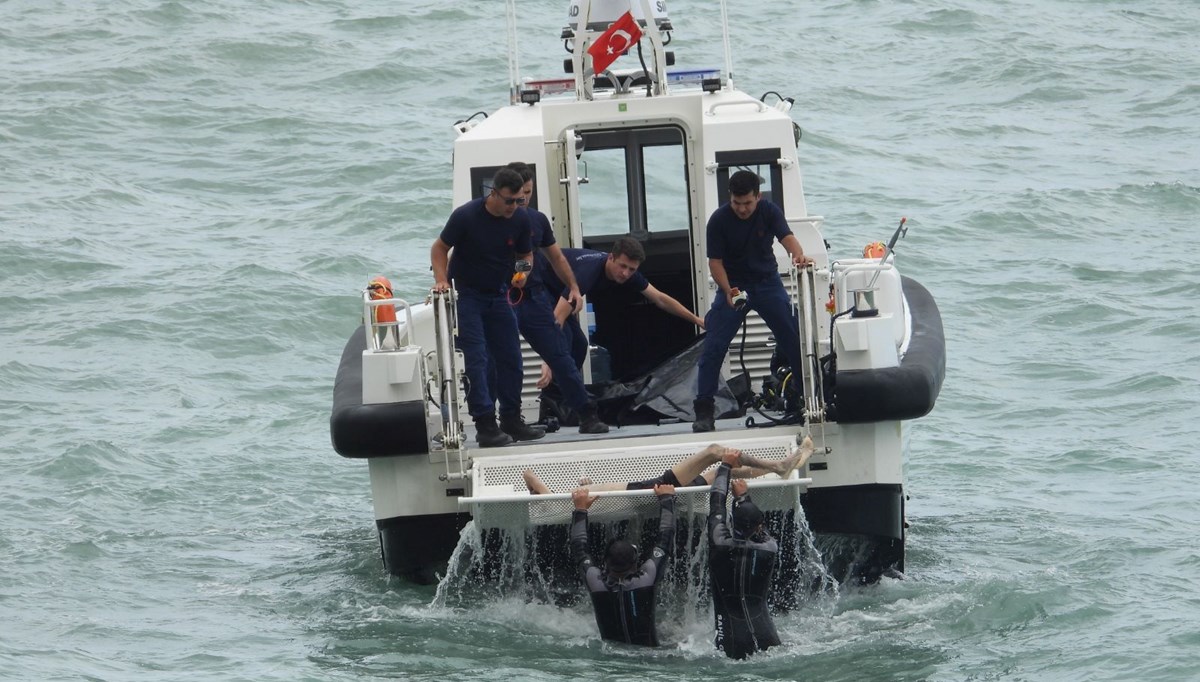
point(901, 231)
point(725, 40)
point(514, 60)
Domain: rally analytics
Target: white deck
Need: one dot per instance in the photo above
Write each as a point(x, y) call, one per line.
point(725, 429)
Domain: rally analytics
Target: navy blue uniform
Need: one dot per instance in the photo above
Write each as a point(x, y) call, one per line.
point(540, 236)
point(744, 248)
point(485, 246)
point(625, 606)
point(481, 266)
point(588, 267)
point(740, 571)
point(535, 317)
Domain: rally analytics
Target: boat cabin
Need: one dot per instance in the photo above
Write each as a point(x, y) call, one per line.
point(650, 168)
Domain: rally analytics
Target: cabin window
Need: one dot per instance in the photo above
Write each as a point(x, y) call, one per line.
point(601, 200)
point(637, 183)
point(481, 182)
point(666, 196)
point(764, 162)
point(637, 186)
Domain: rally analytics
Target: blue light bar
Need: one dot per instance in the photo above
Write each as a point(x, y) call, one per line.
point(691, 76)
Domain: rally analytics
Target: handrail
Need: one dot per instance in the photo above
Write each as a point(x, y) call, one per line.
point(868, 264)
point(370, 326)
point(839, 270)
point(813, 391)
point(713, 109)
point(549, 497)
point(445, 325)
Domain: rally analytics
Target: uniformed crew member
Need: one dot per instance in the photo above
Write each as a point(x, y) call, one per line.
point(487, 235)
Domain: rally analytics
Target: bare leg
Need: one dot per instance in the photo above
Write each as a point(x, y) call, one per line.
point(686, 471)
point(537, 487)
point(782, 467)
point(736, 472)
point(601, 487)
point(700, 464)
point(764, 465)
point(692, 467)
point(753, 467)
point(798, 458)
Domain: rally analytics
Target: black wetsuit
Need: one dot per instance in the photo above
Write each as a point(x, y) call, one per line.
point(625, 606)
point(741, 571)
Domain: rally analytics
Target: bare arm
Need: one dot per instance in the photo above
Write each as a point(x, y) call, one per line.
point(795, 250)
point(558, 263)
point(665, 302)
point(439, 258)
point(562, 310)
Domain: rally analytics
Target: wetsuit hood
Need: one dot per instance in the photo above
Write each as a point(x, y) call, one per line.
point(621, 557)
point(746, 518)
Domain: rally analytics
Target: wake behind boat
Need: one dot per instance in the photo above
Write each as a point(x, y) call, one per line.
point(646, 151)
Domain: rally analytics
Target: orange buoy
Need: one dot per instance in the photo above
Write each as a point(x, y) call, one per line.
point(381, 289)
point(874, 250)
point(383, 317)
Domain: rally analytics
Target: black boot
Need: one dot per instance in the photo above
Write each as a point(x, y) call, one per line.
point(513, 425)
point(487, 434)
point(589, 420)
point(704, 407)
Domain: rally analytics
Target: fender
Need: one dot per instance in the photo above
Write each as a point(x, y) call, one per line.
point(380, 430)
point(908, 391)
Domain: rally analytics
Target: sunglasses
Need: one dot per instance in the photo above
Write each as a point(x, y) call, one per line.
point(509, 201)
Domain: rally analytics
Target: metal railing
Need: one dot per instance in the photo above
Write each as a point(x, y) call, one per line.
point(813, 386)
point(445, 325)
point(383, 336)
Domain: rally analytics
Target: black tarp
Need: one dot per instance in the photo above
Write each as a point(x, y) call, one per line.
point(666, 392)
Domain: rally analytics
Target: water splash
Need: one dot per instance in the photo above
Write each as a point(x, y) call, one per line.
point(533, 564)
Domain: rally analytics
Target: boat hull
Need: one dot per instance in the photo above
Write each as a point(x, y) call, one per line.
point(859, 531)
point(417, 548)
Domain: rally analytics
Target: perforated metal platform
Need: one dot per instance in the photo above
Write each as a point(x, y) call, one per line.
point(501, 500)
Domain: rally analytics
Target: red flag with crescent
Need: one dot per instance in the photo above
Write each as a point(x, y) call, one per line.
point(622, 35)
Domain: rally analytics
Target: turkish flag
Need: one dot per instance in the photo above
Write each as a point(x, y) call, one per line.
point(613, 43)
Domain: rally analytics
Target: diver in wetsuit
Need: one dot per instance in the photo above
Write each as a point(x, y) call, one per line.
point(622, 590)
point(740, 563)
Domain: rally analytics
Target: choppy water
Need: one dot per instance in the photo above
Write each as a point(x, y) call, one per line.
point(191, 193)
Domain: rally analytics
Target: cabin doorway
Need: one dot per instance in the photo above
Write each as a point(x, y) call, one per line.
point(634, 182)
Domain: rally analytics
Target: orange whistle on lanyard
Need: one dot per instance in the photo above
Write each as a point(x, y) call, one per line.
point(521, 270)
